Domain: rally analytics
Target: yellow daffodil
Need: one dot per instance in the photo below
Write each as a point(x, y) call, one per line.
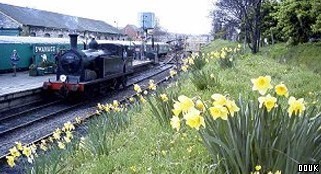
point(10, 161)
point(199, 105)
point(56, 134)
point(232, 107)
point(164, 97)
point(61, 145)
point(212, 76)
point(132, 99)
point(19, 146)
point(269, 172)
point(78, 120)
point(26, 151)
point(100, 107)
point(278, 172)
point(69, 134)
point(172, 73)
point(258, 167)
point(218, 111)
point(223, 55)
point(137, 88)
point(281, 90)
point(217, 55)
point(142, 99)
point(219, 99)
point(115, 103)
point(175, 123)
point(296, 106)
point(152, 85)
point(194, 119)
point(133, 168)
point(43, 147)
point(185, 103)
point(14, 152)
point(67, 139)
point(184, 68)
point(268, 101)
point(190, 61)
point(177, 109)
point(262, 84)
point(68, 126)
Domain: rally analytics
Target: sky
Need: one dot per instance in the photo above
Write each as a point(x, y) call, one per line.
point(179, 16)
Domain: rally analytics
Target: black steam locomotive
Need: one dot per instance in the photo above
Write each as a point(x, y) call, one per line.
point(101, 65)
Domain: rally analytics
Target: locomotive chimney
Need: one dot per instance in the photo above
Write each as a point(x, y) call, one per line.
point(73, 41)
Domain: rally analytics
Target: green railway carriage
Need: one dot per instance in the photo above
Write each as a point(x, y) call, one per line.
point(31, 50)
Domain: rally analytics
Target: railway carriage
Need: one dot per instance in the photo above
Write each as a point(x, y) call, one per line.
point(32, 50)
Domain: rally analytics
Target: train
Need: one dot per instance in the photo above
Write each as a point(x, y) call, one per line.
point(31, 51)
point(102, 64)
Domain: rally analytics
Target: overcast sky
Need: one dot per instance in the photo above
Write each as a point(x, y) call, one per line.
point(181, 16)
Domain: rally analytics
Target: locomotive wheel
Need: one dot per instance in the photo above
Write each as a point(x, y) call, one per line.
point(123, 81)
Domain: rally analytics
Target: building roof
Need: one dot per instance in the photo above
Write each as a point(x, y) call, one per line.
point(41, 18)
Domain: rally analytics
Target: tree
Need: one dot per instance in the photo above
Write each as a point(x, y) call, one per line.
point(246, 15)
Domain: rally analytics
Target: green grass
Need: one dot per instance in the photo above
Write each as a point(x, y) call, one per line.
point(147, 147)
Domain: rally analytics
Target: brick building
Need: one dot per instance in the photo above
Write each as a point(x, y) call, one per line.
point(22, 21)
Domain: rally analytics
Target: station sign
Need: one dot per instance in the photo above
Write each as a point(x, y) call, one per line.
point(41, 49)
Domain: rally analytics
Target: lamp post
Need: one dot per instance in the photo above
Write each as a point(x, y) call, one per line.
point(116, 22)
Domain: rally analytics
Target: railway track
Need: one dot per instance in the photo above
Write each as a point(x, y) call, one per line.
point(31, 125)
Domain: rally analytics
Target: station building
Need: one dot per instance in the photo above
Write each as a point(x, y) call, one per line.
point(23, 21)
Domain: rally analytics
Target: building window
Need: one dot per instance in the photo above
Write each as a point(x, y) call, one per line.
point(47, 35)
point(60, 35)
point(33, 34)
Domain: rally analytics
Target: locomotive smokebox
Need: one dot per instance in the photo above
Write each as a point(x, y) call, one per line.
point(73, 41)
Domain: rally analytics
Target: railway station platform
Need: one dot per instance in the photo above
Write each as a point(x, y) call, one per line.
point(21, 82)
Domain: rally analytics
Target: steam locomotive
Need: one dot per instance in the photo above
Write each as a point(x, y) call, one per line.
point(103, 65)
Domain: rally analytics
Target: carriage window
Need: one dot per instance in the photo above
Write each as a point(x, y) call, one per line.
point(60, 35)
point(33, 34)
point(47, 35)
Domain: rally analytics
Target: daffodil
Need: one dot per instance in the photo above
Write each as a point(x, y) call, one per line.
point(69, 134)
point(164, 97)
point(232, 107)
point(142, 99)
point(212, 76)
point(26, 151)
point(199, 105)
point(278, 172)
point(268, 101)
point(194, 119)
point(10, 161)
point(115, 103)
point(223, 55)
point(19, 145)
point(152, 85)
point(184, 68)
point(67, 139)
point(56, 134)
point(68, 126)
point(175, 123)
point(14, 152)
point(43, 147)
point(172, 73)
point(262, 84)
point(132, 99)
point(100, 107)
point(296, 106)
point(78, 120)
point(137, 88)
point(185, 103)
point(61, 145)
point(219, 99)
point(258, 167)
point(281, 90)
point(218, 111)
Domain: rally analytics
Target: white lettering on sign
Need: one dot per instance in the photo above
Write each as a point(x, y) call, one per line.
point(45, 49)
